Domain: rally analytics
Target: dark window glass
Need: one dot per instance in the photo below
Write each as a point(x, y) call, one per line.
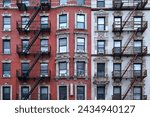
point(80, 68)
point(6, 93)
point(80, 93)
point(24, 91)
point(100, 92)
point(62, 92)
point(43, 93)
point(117, 92)
point(101, 69)
point(6, 46)
point(6, 69)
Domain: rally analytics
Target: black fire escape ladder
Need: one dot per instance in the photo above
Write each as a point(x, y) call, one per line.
point(34, 62)
point(32, 41)
point(32, 17)
point(37, 81)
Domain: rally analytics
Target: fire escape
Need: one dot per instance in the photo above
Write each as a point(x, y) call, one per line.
point(34, 29)
point(118, 28)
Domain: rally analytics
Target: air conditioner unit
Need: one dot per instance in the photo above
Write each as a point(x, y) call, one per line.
point(63, 27)
point(6, 75)
point(100, 51)
point(63, 74)
point(44, 75)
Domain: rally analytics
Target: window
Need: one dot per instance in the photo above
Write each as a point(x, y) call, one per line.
point(62, 92)
point(137, 69)
point(26, 2)
point(6, 93)
point(24, 68)
point(44, 22)
point(43, 1)
point(118, 22)
point(6, 46)
point(117, 70)
point(44, 69)
point(43, 93)
point(100, 46)
point(101, 23)
point(62, 45)
point(6, 23)
point(80, 68)
point(44, 45)
point(80, 21)
point(137, 46)
point(24, 21)
point(24, 91)
point(6, 69)
point(117, 46)
point(6, 3)
point(117, 92)
point(25, 44)
point(100, 92)
point(80, 44)
point(62, 2)
point(137, 93)
point(137, 22)
point(63, 21)
point(62, 68)
point(100, 3)
point(100, 69)
point(80, 2)
point(80, 92)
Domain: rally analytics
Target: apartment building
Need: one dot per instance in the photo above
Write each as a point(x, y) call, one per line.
point(45, 50)
point(120, 52)
point(74, 50)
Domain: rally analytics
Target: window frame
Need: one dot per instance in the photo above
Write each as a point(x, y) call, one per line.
point(6, 25)
point(60, 70)
point(45, 73)
point(65, 97)
point(101, 24)
point(44, 47)
point(44, 24)
point(100, 71)
point(117, 94)
point(62, 46)
point(24, 94)
point(45, 94)
point(100, 1)
point(8, 49)
point(79, 45)
point(78, 22)
point(63, 22)
point(139, 94)
point(101, 96)
point(80, 71)
point(83, 93)
point(100, 48)
point(6, 97)
point(4, 75)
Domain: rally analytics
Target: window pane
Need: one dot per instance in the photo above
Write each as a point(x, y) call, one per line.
point(101, 46)
point(44, 22)
point(6, 93)
point(6, 69)
point(80, 2)
point(62, 92)
point(137, 92)
point(81, 21)
point(80, 68)
point(44, 69)
point(24, 68)
point(63, 2)
point(63, 21)
point(43, 93)
point(100, 3)
point(80, 92)
point(62, 69)
point(25, 44)
point(6, 22)
point(101, 69)
point(6, 2)
point(44, 45)
point(26, 2)
point(80, 45)
point(62, 45)
point(24, 91)
point(6, 46)
point(117, 90)
point(100, 92)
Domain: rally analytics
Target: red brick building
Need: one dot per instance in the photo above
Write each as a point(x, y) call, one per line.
point(45, 49)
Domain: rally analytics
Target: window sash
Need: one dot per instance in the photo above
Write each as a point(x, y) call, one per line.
point(137, 93)
point(6, 22)
point(24, 91)
point(81, 44)
point(62, 45)
point(62, 68)
point(25, 44)
point(100, 3)
point(6, 46)
point(62, 92)
point(80, 68)
point(80, 93)
point(101, 69)
point(63, 21)
point(44, 93)
point(44, 69)
point(6, 93)
point(81, 21)
point(100, 92)
point(101, 23)
point(6, 68)
point(44, 45)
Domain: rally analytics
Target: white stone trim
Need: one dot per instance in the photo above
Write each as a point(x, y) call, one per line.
point(1, 92)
